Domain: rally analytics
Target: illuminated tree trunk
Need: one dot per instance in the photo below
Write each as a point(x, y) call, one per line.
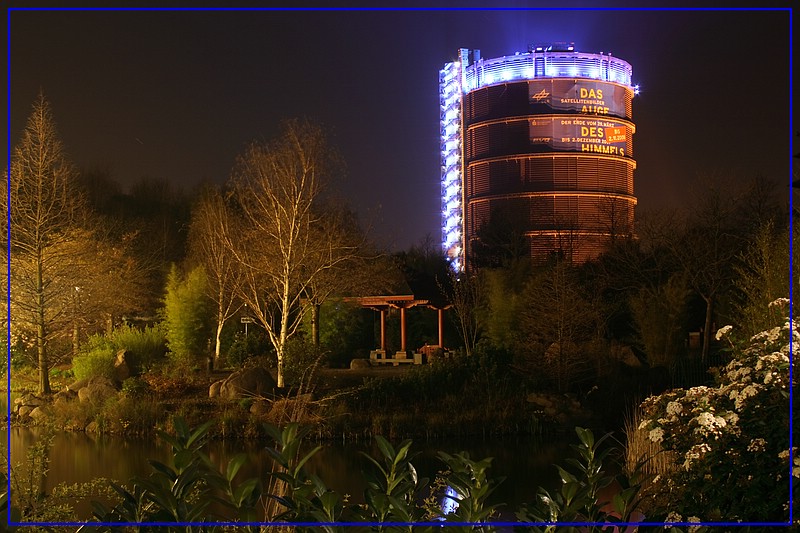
point(41, 330)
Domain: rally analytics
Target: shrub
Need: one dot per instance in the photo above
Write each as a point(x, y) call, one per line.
point(96, 356)
point(245, 347)
point(95, 361)
point(135, 387)
point(146, 346)
point(300, 362)
point(731, 441)
point(187, 316)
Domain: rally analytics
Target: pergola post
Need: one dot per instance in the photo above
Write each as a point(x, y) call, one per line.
point(402, 329)
point(441, 327)
point(383, 330)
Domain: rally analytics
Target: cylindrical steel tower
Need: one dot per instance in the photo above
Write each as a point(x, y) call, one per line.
point(537, 144)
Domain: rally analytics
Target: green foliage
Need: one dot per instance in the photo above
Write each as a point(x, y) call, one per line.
point(660, 317)
point(95, 359)
point(181, 492)
point(392, 485)
point(245, 347)
point(579, 498)
point(135, 387)
point(503, 305)
point(731, 441)
point(762, 275)
point(300, 362)
point(146, 346)
point(340, 329)
point(472, 486)
point(8, 513)
point(429, 400)
point(96, 356)
point(187, 316)
point(303, 496)
point(558, 322)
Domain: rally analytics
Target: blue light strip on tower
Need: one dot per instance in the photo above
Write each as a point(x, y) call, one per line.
point(450, 94)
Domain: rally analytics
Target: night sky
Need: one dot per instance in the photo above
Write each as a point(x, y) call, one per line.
point(178, 94)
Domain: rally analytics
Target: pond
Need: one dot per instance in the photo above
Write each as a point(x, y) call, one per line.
point(525, 462)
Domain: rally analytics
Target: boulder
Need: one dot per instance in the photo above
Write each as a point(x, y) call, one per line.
point(24, 411)
point(64, 396)
point(625, 355)
point(30, 400)
point(40, 413)
point(355, 364)
point(122, 368)
point(78, 385)
point(246, 383)
point(213, 390)
point(97, 390)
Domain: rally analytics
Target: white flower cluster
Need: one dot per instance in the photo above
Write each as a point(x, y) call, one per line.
point(723, 331)
point(696, 520)
point(674, 408)
point(672, 517)
point(757, 445)
point(780, 302)
point(709, 425)
point(695, 452)
point(784, 455)
point(656, 434)
point(739, 397)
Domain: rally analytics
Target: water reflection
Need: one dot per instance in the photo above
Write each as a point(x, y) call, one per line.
point(525, 462)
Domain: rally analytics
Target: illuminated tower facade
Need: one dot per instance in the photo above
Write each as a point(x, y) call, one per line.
point(537, 144)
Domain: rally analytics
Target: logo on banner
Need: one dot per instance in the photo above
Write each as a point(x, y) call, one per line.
point(541, 95)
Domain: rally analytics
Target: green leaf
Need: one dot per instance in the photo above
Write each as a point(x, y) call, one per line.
point(305, 459)
point(566, 477)
point(386, 449)
point(234, 465)
point(244, 491)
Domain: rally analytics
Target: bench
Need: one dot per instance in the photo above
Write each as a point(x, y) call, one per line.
point(379, 357)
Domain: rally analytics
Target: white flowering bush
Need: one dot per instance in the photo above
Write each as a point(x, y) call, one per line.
point(731, 441)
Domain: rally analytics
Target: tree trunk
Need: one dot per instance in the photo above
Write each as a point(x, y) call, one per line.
point(707, 327)
point(218, 343)
point(315, 307)
point(44, 368)
point(281, 348)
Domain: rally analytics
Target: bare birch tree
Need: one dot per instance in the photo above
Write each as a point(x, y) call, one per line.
point(45, 209)
point(211, 230)
point(284, 245)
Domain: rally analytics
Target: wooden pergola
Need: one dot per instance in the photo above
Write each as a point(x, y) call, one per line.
point(402, 302)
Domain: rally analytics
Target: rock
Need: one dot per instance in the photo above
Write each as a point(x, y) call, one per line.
point(40, 413)
point(64, 396)
point(29, 400)
point(246, 383)
point(81, 383)
point(625, 355)
point(24, 411)
point(122, 369)
point(359, 363)
point(96, 391)
point(91, 427)
point(213, 390)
